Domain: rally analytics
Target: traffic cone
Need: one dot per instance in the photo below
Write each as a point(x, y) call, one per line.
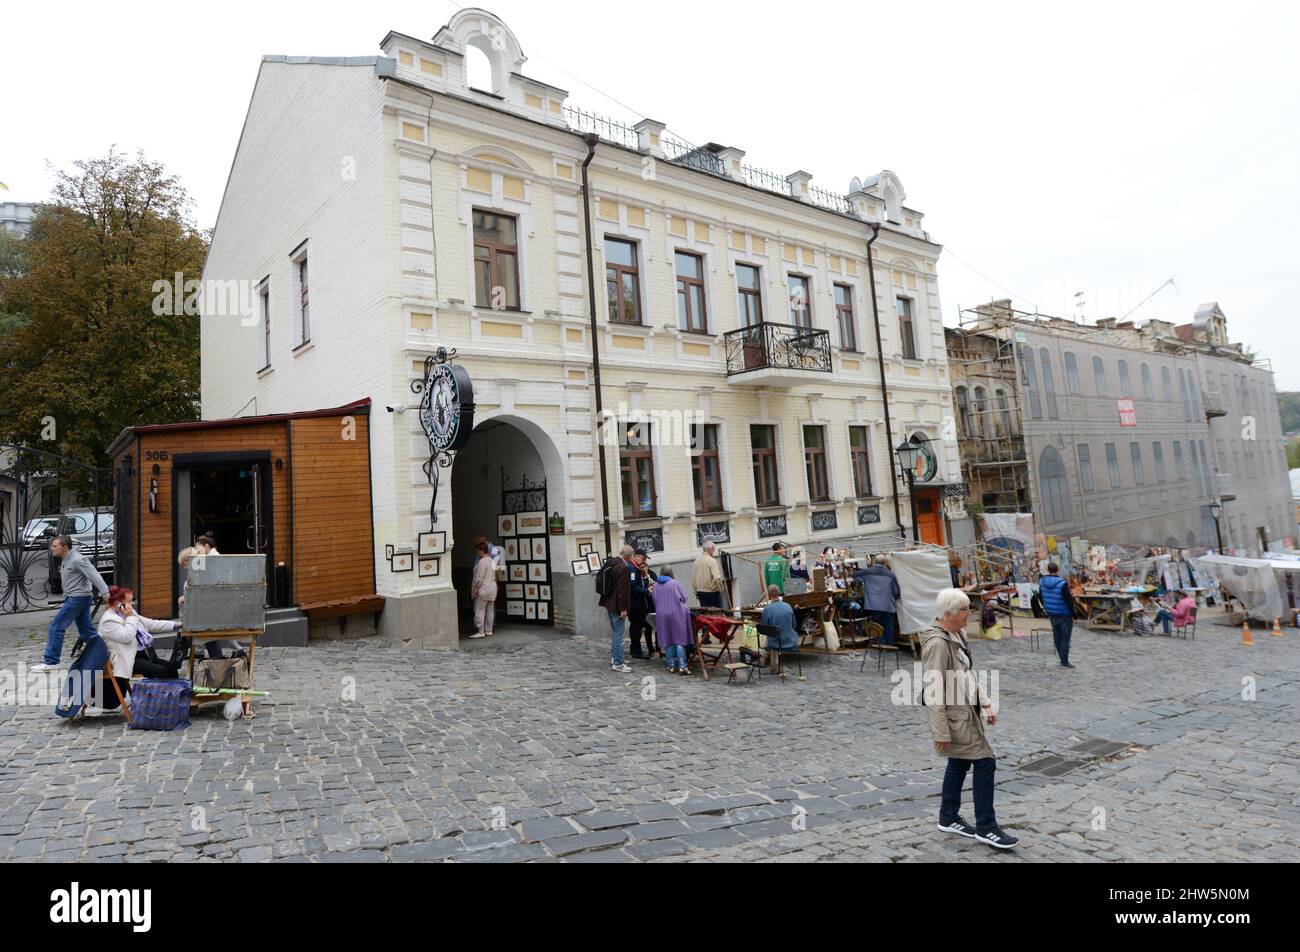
point(1245, 634)
point(1277, 628)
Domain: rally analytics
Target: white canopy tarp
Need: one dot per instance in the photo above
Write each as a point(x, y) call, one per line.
point(922, 574)
point(1253, 582)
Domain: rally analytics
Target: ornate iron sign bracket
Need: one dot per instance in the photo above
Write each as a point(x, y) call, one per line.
point(446, 415)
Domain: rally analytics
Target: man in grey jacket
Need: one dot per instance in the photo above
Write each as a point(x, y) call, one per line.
point(80, 583)
point(880, 595)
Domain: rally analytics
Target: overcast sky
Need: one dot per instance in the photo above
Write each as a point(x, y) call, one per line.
point(1102, 148)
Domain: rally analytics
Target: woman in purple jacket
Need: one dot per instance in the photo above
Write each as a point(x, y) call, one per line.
point(672, 619)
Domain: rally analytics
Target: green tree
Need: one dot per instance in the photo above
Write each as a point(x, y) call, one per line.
point(88, 351)
point(1288, 406)
point(13, 262)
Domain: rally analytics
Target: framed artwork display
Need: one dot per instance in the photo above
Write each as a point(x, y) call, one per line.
point(537, 571)
point(519, 572)
point(580, 567)
point(531, 523)
point(586, 548)
point(593, 561)
point(430, 567)
point(514, 592)
point(515, 609)
point(403, 561)
point(530, 592)
point(543, 611)
point(505, 526)
point(512, 550)
point(388, 552)
point(432, 543)
point(530, 611)
point(539, 550)
point(544, 593)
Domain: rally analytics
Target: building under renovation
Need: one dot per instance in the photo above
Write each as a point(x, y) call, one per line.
point(1120, 433)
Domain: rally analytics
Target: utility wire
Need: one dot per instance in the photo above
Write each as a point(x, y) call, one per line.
point(1003, 287)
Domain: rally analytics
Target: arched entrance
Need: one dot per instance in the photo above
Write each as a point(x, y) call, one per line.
point(505, 479)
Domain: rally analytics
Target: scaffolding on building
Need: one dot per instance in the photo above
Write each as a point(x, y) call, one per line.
point(982, 357)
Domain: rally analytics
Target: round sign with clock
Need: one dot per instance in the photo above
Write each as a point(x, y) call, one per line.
point(447, 407)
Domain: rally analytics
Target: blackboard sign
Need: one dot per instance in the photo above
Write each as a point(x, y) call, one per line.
point(821, 521)
point(648, 540)
point(769, 526)
point(718, 532)
point(868, 515)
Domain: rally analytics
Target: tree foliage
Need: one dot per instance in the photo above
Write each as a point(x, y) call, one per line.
point(83, 346)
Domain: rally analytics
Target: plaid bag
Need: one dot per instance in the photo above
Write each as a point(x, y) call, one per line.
point(160, 704)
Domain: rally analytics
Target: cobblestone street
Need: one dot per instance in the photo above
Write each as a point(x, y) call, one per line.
point(536, 751)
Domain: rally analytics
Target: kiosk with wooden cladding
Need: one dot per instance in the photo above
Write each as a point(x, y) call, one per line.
point(293, 487)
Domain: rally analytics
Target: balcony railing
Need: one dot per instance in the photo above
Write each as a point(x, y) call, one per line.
point(768, 346)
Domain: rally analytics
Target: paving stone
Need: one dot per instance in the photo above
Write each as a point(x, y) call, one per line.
point(568, 845)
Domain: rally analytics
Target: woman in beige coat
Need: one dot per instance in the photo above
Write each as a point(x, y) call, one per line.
point(957, 706)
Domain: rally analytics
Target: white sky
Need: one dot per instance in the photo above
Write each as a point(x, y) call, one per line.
point(1103, 147)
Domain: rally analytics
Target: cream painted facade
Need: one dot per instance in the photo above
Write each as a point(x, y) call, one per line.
point(373, 167)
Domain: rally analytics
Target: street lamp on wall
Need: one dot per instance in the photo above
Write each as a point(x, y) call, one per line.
point(1216, 510)
point(907, 453)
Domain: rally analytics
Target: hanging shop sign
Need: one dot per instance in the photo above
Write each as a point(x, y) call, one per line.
point(446, 415)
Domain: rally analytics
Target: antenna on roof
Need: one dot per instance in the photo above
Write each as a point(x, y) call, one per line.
point(1079, 302)
point(1151, 295)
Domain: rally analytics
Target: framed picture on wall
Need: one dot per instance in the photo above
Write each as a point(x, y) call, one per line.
point(531, 523)
point(512, 550)
point(537, 571)
point(586, 548)
point(430, 567)
point(515, 609)
point(403, 561)
point(519, 572)
point(388, 552)
point(530, 611)
point(580, 567)
point(593, 561)
point(539, 550)
point(545, 593)
point(530, 592)
point(543, 611)
point(505, 526)
point(432, 543)
point(514, 592)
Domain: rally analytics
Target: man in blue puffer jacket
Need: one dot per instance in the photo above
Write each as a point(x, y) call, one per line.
point(1058, 602)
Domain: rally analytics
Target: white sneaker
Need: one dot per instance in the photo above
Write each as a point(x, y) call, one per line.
point(93, 712)
point(44, 667)
point(620, 668)
point(477, 634)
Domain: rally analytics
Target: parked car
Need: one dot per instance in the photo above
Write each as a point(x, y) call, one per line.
point(35, 535)
point(92, 533)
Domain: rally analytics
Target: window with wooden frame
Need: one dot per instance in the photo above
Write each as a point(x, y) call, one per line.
point(496, 261)
point(906, 328)
point(767, 485)
point(691, 313)
point(860, 456)
point(302, 329)
point(750, 295)
point(637, 471)
point(264, 303)
point(800, 289)
point(814, 459)
point(844, 317)
point(622, 281)
point(706, 471)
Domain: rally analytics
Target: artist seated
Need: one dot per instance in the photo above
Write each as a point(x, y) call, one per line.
point(780, 615)
point(128, 636)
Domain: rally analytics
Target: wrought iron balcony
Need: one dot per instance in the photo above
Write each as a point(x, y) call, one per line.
point(767, 354)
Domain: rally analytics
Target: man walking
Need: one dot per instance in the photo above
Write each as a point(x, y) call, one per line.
point(1058, 602)
point(80, 580)
point(706, 578)
point(617, 603)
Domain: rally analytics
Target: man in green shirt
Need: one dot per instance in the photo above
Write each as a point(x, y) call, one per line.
point(776, 568)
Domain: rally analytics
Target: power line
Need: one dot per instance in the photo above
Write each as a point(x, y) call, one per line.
point(1003, 287)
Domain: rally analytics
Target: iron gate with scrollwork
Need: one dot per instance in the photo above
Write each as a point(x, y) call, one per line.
point(34, 490)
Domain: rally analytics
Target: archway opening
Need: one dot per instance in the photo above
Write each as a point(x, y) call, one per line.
point(500, 489)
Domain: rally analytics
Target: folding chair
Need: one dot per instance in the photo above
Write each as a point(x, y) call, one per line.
point(875, 631)
point(771, 632)
point(1182, 631)
point(108, 676)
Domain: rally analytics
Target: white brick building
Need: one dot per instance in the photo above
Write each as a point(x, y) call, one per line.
point(385, 183)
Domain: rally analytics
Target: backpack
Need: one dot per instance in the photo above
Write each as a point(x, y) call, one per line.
point(605, 577)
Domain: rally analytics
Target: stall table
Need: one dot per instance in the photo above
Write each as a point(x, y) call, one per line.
point(248, 635)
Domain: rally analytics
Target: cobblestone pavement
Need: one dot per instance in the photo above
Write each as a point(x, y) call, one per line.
point(537, 751)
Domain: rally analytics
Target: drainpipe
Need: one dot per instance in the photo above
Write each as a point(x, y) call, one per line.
point(884, 389)
point(591, 139)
